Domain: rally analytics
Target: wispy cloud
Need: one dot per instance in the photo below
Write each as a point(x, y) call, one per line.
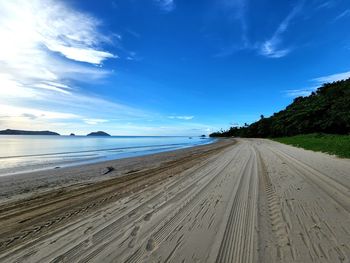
point(166, 5)
point(316, 83)
point(300, 92)
point(94, 121)
point(332, 78)
point(269, 49)
point(181, 117)
point(47, 48)
point(324, 4)
point(41, 40)
point(33, 26)
point(25, 112)
point(235, 11)
point(345, 13)
point(238, 9)
point(272, 47)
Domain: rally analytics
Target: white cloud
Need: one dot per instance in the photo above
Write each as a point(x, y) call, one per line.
point(84, 55)
point(51, 87)
point(317, 82)
point(30, 27)
point(181, 117)
point(41, 40)
point(342, 15)
point(235, 11)
point(272, 47)
point(94, 121)
point(47, 48)
point(32, 113)
point(166, 5)
point(269, 49)
point(326, 4)
point(300, 92)
point(332, 78)
point(42, 46)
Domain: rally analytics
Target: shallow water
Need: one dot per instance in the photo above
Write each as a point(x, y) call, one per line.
point(23, 153)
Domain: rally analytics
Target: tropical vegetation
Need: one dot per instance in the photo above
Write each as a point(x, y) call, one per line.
point(327, 110)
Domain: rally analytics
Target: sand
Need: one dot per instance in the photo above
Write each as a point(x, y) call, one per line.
point(233, 201)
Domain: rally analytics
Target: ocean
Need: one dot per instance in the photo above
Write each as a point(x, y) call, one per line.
point(25, 153)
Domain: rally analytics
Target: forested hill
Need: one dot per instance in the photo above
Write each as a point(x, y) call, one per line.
point(21, 132)
point(326, 110)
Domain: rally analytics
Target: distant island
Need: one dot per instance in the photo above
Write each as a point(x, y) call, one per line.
point(98, 133)
point(21, 132)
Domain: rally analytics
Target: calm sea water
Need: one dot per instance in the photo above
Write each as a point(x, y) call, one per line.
point(20, 153)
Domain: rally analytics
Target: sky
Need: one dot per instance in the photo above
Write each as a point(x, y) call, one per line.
point(164, 67)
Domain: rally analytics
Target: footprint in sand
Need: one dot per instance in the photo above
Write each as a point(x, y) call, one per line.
point(133, 235)
point(148, 216)
point(150, 244)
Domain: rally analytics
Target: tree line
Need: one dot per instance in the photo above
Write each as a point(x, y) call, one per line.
point(327, 110)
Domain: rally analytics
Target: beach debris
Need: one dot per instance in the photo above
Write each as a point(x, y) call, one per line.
point(107, 170)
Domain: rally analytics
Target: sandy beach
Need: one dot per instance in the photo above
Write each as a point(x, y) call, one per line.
point(242, 200)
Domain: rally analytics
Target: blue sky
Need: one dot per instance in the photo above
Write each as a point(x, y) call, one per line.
point(164, 67)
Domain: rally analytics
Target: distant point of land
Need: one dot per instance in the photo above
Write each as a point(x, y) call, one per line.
point(21, 132)
point(98, 133)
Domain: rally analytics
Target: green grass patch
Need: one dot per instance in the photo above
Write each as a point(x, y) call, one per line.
point(327, 143)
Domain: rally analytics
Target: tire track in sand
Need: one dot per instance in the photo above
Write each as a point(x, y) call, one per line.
point(162, 232)
point(239, 236)
point(102, 239)
point(336, 191)
point(280, 229)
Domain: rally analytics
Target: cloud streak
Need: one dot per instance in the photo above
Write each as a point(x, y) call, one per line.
point(186, 118)
point(166, 5)
point(332, 77)
point(272, 48)
point(47, 50)
point(94, 121)
point(317, 82)
point(299, 92)
point(344, 14)
point(41, 40)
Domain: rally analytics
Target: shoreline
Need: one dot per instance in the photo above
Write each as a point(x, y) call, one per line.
point(25, 184)
point(28, 161)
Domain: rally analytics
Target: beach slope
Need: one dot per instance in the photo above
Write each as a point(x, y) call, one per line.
point(244, 200)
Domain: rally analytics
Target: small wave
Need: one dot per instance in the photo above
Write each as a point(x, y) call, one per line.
point(97, 150)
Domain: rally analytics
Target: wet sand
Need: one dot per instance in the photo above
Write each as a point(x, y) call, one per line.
point(232, 201)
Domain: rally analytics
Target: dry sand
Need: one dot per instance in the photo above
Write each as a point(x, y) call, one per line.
point(250, 201)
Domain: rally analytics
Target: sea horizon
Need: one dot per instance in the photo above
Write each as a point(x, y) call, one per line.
point(28, 153)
